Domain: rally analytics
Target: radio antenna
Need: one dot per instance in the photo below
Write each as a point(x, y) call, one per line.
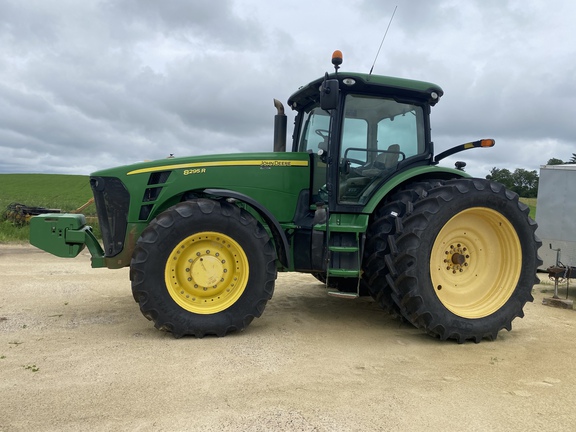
point(387, 28)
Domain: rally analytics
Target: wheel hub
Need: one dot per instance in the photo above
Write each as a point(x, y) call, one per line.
point(207, 271)
point(457, 257)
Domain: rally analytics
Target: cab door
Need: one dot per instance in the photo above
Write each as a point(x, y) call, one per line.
point(378, 135)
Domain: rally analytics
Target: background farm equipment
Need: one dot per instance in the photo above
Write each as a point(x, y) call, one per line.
point(20, 214)
point(560, 273)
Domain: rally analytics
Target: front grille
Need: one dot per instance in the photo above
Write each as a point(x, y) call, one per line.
point(145, 211)
point(112, 202)
point(151, 194)
point(159, 177)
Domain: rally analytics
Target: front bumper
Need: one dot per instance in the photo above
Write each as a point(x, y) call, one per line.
point(65, 235)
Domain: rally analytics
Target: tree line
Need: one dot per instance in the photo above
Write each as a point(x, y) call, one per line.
point(521, 181)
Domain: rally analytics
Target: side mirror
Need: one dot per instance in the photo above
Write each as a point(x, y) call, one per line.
point(329, 93)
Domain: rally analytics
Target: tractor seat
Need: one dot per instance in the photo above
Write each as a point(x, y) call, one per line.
point(384, 161)
point(352, 188)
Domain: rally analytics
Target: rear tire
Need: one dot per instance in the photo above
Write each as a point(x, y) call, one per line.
point(203, 267)
point(463, 263)
point(377, 248)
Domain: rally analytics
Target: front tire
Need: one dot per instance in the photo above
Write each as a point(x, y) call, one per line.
point(203, 267)
point(463, 264)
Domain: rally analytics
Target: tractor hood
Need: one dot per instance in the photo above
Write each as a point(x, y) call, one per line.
point(272, 179)
point(190, 163)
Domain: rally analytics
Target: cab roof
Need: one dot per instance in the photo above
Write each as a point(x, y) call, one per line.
point(377, 85)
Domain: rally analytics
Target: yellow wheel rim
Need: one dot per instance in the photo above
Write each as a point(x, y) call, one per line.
point(207, 272)
point(475, 262)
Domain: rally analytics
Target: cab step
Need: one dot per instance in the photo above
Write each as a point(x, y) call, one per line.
point(343, 273)
point(343, 295)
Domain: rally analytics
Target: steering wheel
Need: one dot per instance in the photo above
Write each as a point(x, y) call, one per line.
point(323, 133)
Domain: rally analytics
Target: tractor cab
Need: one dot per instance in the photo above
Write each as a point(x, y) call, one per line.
point(361, 130)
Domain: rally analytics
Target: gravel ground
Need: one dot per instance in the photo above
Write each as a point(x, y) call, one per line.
point(76, 354)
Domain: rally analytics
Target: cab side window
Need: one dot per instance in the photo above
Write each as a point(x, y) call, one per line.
point(377, 135)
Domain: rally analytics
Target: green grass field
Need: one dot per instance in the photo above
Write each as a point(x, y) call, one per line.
point(64, 192)
point(530, 202)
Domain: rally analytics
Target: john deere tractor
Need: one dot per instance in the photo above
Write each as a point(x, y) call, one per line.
point(360, 202)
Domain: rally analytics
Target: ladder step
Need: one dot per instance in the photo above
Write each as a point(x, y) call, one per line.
point(347, 228)
point(344, 295)
point(343, 273)
point(346, 249)
point(341, 228)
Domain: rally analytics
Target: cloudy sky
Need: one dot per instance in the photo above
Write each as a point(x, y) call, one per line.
point(91, 84)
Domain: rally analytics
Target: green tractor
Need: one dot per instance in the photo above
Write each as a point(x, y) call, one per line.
point(360, 203)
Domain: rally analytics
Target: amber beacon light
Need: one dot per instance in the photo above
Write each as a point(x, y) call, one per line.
point(337, 58)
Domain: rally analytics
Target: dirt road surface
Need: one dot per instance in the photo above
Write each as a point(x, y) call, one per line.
point(76, 354)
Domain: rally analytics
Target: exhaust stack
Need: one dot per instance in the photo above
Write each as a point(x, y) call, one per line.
point(279, 128)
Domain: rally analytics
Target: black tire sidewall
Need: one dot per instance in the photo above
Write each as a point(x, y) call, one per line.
point(494, 197)
point(377, 246)
point(171, 228)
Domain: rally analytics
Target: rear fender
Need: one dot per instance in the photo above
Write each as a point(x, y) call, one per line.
point(411, 175)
